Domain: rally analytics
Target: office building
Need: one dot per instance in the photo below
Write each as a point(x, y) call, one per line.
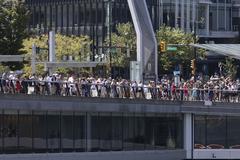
point(210, 19)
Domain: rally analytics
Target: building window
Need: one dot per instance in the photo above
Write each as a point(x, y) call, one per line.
point(216, 132)
point(54, 131)
point(10, 132)
point(79, 129)
point(117, 131)
point(67, 136)
point(25, 132)
point(40, 132)
point(233, 132)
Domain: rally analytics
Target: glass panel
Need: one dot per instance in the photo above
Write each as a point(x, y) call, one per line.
point(54, 16)
point(168, 131)
point(105, 131)
point(162, 132)
point(25, 131)
point(139, 132)
point(10, 132)
point(70, 15)
point(65, 14)
point(81, 13)
point(48, 16)
point(128, 132)
point(117, 132)
point(216, 132)
point(200, 132)
point(80, 132)
point(53, 130)
point(178, 130)
point(95, 132)
point(221, 19)
point(88, 14)
point(233, 132)
point(39, 132)
point(76, 15)
point(150, 136)
point(213, 20)
point(41, 16)
point(59, 18)
point(67, 131)
point(201, 17)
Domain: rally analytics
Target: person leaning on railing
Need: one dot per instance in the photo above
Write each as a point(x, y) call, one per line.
point(110, 88)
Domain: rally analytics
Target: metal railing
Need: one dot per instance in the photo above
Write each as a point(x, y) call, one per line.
point(124, 90)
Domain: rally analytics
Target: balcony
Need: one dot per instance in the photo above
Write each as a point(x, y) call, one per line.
point(217, 34)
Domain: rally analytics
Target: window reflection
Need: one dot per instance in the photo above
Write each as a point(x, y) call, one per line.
point(79, 131)
point(40, 132)
point(128, 132)
point(200, 132)
point(216, 132)
point(139, 132)
point(25, 131)
point(52, 131)
point(117, 131)
point(233, 132)
point(67, 131)
point(10, 132)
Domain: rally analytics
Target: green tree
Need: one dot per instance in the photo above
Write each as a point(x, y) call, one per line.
point(184, 53)
point(78, 47)
point(124, 39)
point(126, 36)
point(230, 68)
point(13, 22)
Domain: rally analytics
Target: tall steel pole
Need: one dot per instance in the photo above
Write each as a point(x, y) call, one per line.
point(109, 26)
point(146, 41)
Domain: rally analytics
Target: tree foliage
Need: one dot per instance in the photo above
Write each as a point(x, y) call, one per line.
point(230, 68)
point(125, 38)
point(13, 22)
point(184, 53)
point(78, 47)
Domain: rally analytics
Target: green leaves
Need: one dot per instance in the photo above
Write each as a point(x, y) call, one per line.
point(184, 52)
point(230, 68)
point(13, 23)
point(123, 39)
point(78, 47)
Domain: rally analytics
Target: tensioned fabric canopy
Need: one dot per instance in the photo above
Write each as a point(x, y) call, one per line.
point(230, 50)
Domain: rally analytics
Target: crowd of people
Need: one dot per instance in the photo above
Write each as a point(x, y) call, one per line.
point(214, 88)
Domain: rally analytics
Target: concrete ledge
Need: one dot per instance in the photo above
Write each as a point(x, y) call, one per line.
point(216, 154)
point(56, 103)
point(53, 103)
point(125, 155)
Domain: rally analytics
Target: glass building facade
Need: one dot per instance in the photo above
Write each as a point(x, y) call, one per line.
point(98, 18)
point(53, 131)
point(208, 18)
point(217, 132)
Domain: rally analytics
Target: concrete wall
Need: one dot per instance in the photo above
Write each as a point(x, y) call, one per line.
point(114, 105)
point(130, 155)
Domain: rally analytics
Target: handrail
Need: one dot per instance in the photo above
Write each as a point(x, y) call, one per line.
point(123, 90)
